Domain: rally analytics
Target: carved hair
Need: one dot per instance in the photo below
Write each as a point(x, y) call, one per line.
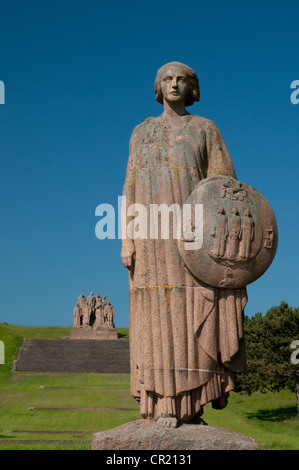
point(192, 78)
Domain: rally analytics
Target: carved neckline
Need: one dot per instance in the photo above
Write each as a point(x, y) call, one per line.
point(178, 120)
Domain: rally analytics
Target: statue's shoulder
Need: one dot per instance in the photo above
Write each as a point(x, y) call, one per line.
point(204, 123)
point(149, 122)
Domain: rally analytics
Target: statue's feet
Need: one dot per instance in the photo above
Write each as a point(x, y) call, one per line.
point(167, 422)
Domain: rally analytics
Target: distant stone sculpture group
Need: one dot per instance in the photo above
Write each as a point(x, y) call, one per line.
point(93, 314)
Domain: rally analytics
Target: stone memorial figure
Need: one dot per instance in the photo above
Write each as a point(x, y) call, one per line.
point(83, 309)
point(77, 315)
point(110, 315)
point(82, 300)
point(90, 310)
point(91, 300)
point(186, 338)
point(98, 310)
point(105, 303)
point(93, 318)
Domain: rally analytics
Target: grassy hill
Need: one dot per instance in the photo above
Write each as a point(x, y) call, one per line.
point(62, 410)
point(46, 331)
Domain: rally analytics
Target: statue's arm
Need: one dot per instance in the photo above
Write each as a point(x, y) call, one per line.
point(218, 159)
point(128, 247)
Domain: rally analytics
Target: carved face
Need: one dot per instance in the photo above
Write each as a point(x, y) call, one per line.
point(174, 85)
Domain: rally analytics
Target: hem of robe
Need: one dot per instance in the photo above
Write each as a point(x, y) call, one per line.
point(189, 404)
point(177, 345)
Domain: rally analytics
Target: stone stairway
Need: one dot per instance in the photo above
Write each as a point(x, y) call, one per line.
point(65, 355)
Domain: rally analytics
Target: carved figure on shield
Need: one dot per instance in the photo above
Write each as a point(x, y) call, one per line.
point(220, 233)
point(234, 229)
point(247, 234)
point(269, 239)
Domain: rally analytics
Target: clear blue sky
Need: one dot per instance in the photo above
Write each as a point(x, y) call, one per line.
point(78, 78)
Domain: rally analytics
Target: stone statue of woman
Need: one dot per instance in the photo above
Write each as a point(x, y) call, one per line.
point(186, 338)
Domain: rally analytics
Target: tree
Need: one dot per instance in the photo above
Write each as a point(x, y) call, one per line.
point(268, 346)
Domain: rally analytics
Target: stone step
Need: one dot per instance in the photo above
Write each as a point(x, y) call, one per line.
point(65, 355)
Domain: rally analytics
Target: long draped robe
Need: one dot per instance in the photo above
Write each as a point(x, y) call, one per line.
point(186, 338)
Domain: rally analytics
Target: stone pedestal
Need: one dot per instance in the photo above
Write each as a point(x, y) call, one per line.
point(147, 435)
point(90, 333)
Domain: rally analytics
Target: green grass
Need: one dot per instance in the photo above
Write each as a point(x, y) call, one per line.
point(22, 391)
point(271, 418)
point(45, 331)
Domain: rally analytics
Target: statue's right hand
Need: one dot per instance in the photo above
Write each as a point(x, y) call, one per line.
point(128, 258)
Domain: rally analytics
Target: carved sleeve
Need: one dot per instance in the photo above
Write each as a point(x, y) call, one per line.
point(218, 159)
point(129, 186)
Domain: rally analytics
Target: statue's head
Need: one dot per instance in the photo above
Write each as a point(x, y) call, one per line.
point(187, 75)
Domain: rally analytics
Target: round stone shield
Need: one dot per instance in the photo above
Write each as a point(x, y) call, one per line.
point(228, 233)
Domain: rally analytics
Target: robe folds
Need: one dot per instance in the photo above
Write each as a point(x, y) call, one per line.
point(186, 338)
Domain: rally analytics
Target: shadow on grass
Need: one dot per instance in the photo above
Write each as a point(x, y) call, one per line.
point(121, 335)
point(275, 414)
